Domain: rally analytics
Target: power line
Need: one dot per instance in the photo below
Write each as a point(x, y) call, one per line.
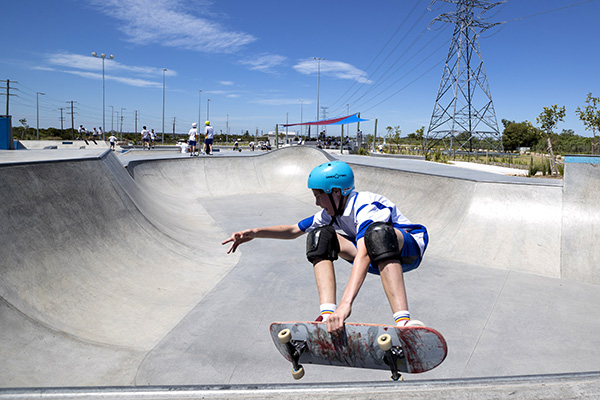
point(396, 72)
point(548, 11)
point(8, 93)
point(381, 51)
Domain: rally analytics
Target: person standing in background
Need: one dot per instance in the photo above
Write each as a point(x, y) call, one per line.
point(208, 138)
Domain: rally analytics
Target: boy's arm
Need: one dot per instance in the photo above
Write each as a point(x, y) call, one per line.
point(270, 232)
point(335, 322)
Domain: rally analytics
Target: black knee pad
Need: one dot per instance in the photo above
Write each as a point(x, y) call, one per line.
point(322, 244)
point(382, 242)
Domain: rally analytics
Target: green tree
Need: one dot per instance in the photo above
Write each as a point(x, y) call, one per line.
point(23, 122)
point(548, 119)
point(417, 136)
point(590, 116)
point(519, 134)
point(389, 130)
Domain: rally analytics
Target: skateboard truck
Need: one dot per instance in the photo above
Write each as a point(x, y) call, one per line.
point(295, 349)
point(391, 355)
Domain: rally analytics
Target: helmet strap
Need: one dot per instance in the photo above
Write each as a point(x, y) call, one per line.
point(338, 209)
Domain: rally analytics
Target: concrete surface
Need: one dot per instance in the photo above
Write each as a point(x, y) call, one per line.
point(65, 144)
point(116, 277)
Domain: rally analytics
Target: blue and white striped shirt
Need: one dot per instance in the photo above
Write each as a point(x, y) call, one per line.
point(362, 209)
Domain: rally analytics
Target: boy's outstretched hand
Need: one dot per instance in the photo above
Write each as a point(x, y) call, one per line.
point(238, 238)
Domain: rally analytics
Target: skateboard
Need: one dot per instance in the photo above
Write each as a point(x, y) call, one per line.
point(412, 349)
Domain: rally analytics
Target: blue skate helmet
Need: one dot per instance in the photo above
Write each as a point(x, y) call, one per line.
point(332, 174)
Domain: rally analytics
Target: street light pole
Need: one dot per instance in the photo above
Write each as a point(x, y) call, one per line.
point(163, 115)
point(208, 109)
point(103, 56)
point(37, 106)
point(301, 116)
point(319, 59)
point(121, 129)
point(199, 105)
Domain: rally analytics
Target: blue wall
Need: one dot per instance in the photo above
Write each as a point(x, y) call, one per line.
point(6, 140)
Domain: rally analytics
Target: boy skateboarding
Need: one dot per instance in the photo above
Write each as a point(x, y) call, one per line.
point(375, 237)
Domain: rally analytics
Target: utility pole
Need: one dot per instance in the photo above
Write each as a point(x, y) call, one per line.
point(174, 118)
point(121, 130)
point(318, 59)
point(37, 106)
point(61, 118)
point(8, 94)
point(135, 113)
point(72, 121)
point(375, 135)
point(464, 104)
point(163, 107)
point(324, 110)
point(199, 106)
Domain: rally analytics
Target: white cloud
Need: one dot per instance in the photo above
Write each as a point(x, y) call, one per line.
point(264, 62)
point(226, 83)
point(91, 68)
point(168, 23)
point(94, 75)
point(337, 69)
point(280, 102)
point(92, 63)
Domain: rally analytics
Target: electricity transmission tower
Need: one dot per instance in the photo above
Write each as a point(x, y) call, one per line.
point(464, 111)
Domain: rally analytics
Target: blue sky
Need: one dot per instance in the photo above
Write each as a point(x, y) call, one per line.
point(254, 60)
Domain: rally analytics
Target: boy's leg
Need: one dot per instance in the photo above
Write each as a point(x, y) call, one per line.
point(322, 248)
point(325, 278)
point(392, 279)
point(391, 271)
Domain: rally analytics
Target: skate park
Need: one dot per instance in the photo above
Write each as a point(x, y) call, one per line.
point(115, 283)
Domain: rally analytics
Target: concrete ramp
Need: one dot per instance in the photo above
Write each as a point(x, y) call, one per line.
point(580, 257)
point(87, 279)
point(112, 276)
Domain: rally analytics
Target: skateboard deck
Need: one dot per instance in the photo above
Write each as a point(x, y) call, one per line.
point(408, 349)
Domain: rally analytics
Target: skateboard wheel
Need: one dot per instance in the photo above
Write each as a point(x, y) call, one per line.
point(285, 336)
point(384, 342)
point(298, 373)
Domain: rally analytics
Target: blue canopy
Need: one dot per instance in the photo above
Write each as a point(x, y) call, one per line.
point(349, 119)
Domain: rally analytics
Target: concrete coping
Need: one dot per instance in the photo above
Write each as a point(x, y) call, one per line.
point(582, 159)
point(581, 385)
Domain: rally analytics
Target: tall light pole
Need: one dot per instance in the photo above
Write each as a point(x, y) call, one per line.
point(121, 129)
point(199, 105)
point(319, 59)
point(103, 56)
point(301, 112)
point(163, 117)
point(112, 117)
point(37, 106)
point(348, 126)
point(207, 109)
